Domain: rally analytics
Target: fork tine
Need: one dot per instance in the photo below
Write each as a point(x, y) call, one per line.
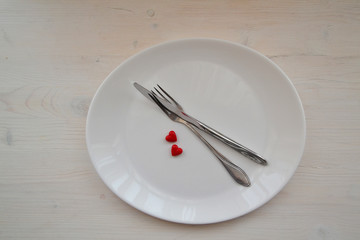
point(168, 95)
point(161, 94)
point(154, 95)
point(158, 103)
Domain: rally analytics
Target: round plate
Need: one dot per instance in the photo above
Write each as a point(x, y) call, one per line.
point(231, 88)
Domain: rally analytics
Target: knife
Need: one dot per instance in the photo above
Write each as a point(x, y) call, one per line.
point(202, 126)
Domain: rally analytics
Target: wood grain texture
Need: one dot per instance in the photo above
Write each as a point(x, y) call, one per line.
point(55, 54)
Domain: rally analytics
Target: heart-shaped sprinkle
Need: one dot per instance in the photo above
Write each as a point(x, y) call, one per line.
point(171, 137)
point(175, 150)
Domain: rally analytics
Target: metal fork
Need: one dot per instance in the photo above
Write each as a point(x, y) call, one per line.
point(235, 171)
point(237, 146)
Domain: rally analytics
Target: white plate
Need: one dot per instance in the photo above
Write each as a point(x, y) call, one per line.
point(228, 86)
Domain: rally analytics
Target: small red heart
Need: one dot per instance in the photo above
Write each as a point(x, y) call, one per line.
point(171, 137)
point(175, 150)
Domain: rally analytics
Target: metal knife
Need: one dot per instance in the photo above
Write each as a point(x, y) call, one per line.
point(231, 143)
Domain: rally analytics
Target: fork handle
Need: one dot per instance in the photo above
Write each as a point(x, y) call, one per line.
point(237, 146)
point(235, 171)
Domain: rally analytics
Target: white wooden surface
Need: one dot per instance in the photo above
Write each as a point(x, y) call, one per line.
point(54, 55)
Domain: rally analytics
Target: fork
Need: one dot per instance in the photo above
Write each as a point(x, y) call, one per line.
point(237, 146)
point(235, 171)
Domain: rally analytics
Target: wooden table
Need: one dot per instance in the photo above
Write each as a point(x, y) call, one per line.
point(55, 54)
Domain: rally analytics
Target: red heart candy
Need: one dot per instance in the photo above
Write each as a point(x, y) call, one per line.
point(171, 137)
point(175, 150)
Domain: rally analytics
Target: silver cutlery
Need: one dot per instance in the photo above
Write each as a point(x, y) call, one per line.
point(235, 172)
point(177, 109)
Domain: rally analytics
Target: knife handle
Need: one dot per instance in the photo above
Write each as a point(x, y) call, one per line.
point(231, 143)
